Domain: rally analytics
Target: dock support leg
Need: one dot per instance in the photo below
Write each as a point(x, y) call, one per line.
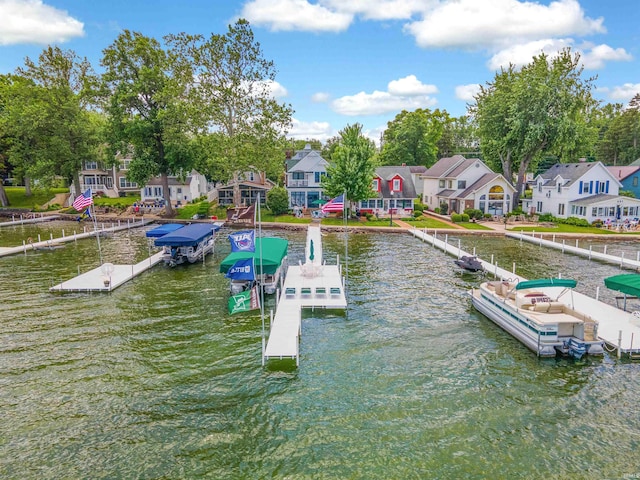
point(619, 343)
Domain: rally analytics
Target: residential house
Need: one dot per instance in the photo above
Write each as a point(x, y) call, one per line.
point(395, 191)
point(109, 181)
point(462, 183)
point(587, 190)
point(181, 190)
point(629, 177)
point(251, 185)
point(304, 173)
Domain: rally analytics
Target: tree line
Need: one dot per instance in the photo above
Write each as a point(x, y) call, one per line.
point(205, 103)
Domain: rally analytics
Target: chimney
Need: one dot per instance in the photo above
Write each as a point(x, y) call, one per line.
point(582, 160)
point(404, 164)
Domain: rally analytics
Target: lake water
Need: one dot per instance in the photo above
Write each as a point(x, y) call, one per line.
point(156, 380)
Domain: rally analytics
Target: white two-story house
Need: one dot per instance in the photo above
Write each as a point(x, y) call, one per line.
point(181, 190)
point(463, 183)
point(304, 174)
point(585, 190)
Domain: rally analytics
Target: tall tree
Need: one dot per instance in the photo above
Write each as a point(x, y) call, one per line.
point(541, 108)
point(352, 166)
point(412, 138)
point(147, 111)
point(232, 82)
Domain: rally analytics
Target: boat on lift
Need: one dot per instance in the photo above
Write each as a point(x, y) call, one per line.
point(469, 263)
point(188, 244)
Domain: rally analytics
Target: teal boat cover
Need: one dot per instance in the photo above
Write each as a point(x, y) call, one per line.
point(626, 283)
point(547, 282)
point(162, 230)
point(273, 252)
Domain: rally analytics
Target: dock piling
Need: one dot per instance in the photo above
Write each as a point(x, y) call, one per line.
point(619, 343)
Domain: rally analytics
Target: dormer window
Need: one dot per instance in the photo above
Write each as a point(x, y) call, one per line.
point(375, 185)
point(559, 187)
point(396, 185)
point(540, 187)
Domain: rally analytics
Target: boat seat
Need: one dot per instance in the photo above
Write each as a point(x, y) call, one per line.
point(321, 291)
point(290, 292)
point(305, 291)
point(335, 291)
point(541, 307)
point(556, 307)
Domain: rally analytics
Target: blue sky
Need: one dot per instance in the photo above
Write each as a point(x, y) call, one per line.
point(346, 61)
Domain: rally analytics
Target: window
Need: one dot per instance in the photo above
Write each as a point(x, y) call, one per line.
point(124, 164)
point(561, 209)
point(396, 185)
point(124, 183)
point(594, 212)
point(441, 183)
point(462, 184)
point(585, 187)
point(317, 176)
point(90, 165)
point(482, 203)
point(179, 189)
point(540, 187)
point(297, 175)
point(298, 199)
point(375, 185)
point(539, 207)
point(559, 187)
point(450, 184)
point(635, 181)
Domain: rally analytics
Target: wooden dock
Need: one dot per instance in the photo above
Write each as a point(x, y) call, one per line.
point(106, 277)
point(310, 285)
point(620, 330)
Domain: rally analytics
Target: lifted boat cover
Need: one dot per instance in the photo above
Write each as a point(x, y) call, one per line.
point(547, 282)
point(187, 236)
point(626, 283)
point(273, 252)
point(164, 229)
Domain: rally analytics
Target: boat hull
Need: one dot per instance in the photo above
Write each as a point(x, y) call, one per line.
point(174, 255)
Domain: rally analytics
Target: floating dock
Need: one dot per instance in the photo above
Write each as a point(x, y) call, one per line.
point(310, 285)
point(27, 219)
point(106, 277)
point(620, 330)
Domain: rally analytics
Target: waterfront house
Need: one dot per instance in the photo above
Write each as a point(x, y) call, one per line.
point(629, 177)
point(586, 190)
point(251, 184)
point(304, 172)
point(461, 183)
point(108, 181)
point(181, 190)
point(395, 191)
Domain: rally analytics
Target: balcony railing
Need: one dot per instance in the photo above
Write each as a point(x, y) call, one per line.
point(298, 183)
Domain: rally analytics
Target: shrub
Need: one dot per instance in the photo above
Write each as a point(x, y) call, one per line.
point(487, 215)
point(436, 210)
point(465, 217)
point(444, 208)
point(546, 217)
point(417, 213)
point(474, 213)
point(278, 200)
point(597, 223)
point(456, 217)
point(578, 222)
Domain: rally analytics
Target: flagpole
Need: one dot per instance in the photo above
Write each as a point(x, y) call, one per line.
point(259, 217)
point(92, 210)
point(346, 243)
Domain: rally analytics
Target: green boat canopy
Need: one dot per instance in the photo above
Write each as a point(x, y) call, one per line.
point(626, 283)
point(547, 282)
point(273, 252)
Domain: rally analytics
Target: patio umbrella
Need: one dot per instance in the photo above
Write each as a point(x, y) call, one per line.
point(311, 256)
point(318, 202)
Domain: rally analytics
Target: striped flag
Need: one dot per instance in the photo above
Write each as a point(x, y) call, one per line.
point(334, 205)
point(83, 200)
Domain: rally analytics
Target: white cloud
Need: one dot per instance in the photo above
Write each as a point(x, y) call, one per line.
point(379, 9)
point(498, 23)
point(404, 94)
point(598, 55)
point(410, 86)
point(276, 89)
point(304, 130)
point(31, 21)
point(467, 92)
point(624, 92)
point(295, 15)
point(320, 97)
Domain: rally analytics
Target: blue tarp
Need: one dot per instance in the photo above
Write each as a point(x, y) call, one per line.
point(189, 235)
point(162, 230)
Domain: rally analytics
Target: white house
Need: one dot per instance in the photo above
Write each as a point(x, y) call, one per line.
point(463, 183)
point(304, 173)
point(181, 191)
point(585, 190)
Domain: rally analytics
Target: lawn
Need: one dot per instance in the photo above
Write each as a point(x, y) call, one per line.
point(474, 226)
point(564, 228)
point(18, 199)
point(427, 222)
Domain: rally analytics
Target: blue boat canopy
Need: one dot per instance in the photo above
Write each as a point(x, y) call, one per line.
point(163, 230)
point(625, 283)
point(187, 236)
point(547, 282)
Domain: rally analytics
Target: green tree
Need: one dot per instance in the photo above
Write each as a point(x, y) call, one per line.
point(147, 111)
point(412, 138)
point(352, 166)
point(230, 81)
point(278, 200)
point(541, 108)
point(621, 141)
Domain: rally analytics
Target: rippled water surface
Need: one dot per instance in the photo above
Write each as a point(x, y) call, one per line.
point(156, 380)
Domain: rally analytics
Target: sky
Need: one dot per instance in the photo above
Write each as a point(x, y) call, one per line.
point(341, 62)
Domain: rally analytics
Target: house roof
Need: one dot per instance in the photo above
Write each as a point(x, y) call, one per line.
point(446, 193)
point(299, 155)
point(386, 173)
point(635, 163)
point(172, 181)
point(481, 182)
point(246, 183)
point(308, 163)
point(442, 166)
point(623, 172)
point(417, 169)
point(570, 172)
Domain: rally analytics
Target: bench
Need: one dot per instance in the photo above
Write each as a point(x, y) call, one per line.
point(305, 292)
point(321, 292)
point(335, 291)
point(290, 292)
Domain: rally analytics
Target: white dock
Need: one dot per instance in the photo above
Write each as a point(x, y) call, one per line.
point(30, 218)
point(310, 285)
point(620, 330)
point(106, 277)
point(583, 252)
point(52, 242)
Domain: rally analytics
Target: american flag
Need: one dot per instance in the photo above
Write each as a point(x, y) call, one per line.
point(334, 205)
point(83, 200)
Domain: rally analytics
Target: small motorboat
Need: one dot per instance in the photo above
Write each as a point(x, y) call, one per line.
point(471, 264)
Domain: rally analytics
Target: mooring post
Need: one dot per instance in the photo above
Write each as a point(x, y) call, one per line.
point(474, 251)
point(577, 240)
point(39, 238)
point(590, 247)
point(597, 293)
point(619, 343)
point(514, 268)
point(492, 258)
point(459, 250)
point(605, 249)
point(563, 245)
point(446, 242)
point(622, 260)
point(24, 247)
point(521, 234)
point(554, 238)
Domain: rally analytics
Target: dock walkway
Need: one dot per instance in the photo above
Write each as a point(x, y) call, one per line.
point(30, 218)
point(53, 242)
point(106, 277)
point(620, 330)
point(310, 285)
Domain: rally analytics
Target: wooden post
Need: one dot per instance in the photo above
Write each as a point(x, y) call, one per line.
point(619, 343)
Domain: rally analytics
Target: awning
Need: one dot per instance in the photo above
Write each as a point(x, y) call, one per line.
point(626, 283)
point(547, 282)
